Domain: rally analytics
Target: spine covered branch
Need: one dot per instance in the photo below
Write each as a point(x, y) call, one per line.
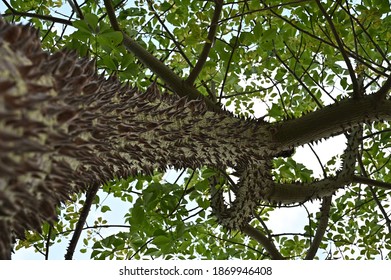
point(63, 128)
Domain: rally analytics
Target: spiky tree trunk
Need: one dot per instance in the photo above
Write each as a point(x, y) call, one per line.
point(63, 129)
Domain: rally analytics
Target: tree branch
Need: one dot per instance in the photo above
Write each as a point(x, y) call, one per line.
point(269, 235)
point(301, 192)
point(208, 44)
point(371, 182)
point(356, 87)
point(172, 37)
point(90, 195)
point(76, 8)
point(298, 78)
point(155, 65)
point(267, 8)
point(231, 56)
point(288, 193)
point(377, 47)
point(266, 243)
point(385, 89)
point(357, 57)
point(47, 245)
point(321, 229)
point(33, 15)
point(381, 208)
point(236, 243)
point(376, 198)
point(330, 120)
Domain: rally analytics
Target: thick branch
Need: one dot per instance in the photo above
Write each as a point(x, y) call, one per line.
point(68, 129)
point(330, 120)
point(371, 182)
point(299, 192)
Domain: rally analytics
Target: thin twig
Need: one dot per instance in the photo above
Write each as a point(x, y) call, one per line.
point(267, 8)
point(90, 196)
point(176, 83)
point(208, 44)
point(171, 36)
point(48, 242)
point(374, 195)
point(362, 60)
point(356, 86)
point(236, 243)
point(269, 234)
point(321, 229)
point(299, 80)
point(182, 196)
point(230, 57)
point(76, 8)
point(377, 47)
point(385, 89)
point(33, 15)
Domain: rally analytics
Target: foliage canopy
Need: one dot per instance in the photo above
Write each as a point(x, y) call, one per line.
point(271, 59)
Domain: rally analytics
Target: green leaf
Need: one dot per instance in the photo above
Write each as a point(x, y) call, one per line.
point(275, 111)
point(138, 215)
point(207, 173)
point(92, 21)
point(113, 38)
point(105, 208)
point(161, 240)
point(383, 5)
point(82, 26)
point(109, 63)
